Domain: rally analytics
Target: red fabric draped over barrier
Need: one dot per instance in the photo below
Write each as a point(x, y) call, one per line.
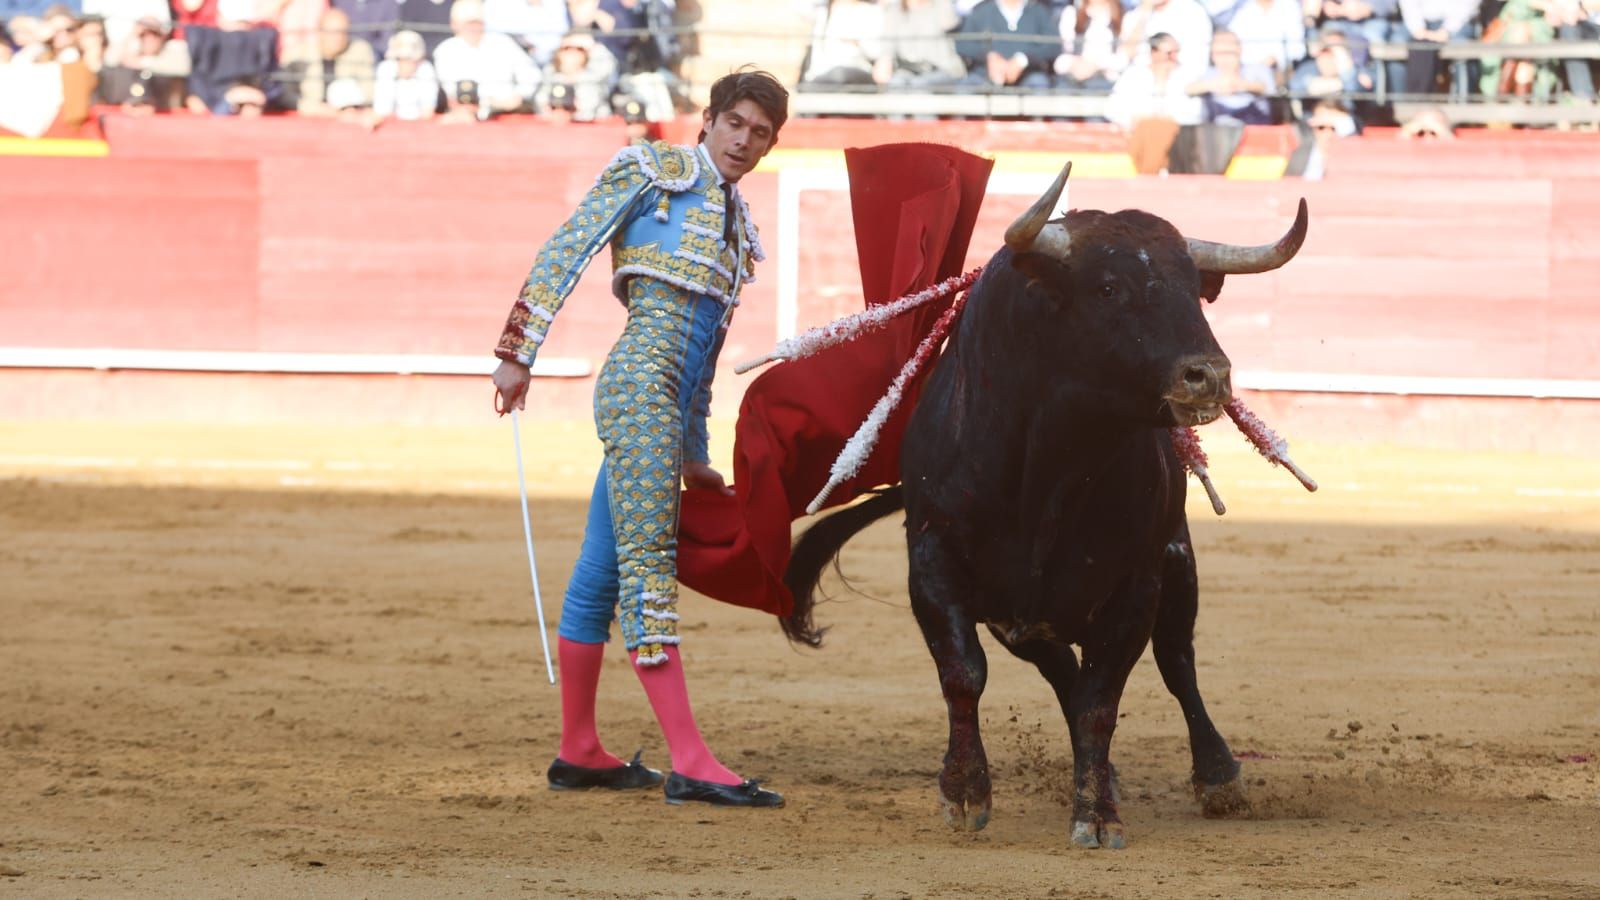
point(914, 207)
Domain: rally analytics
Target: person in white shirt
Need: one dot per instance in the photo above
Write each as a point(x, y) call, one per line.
point(1090, 58)
point(120, 16)
point(482, 73)
point(1158, 89)
point(1185, 20)
point(406, 87)
point(536, 24)
point(1271, 33)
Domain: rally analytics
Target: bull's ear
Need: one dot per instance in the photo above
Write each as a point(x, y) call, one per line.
point(1050, 272)
point(1211, 285)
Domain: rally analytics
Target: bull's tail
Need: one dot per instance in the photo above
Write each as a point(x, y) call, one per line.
point(816, 547)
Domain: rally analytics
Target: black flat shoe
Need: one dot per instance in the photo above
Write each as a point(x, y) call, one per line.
point(565, 776)
point(681, 789)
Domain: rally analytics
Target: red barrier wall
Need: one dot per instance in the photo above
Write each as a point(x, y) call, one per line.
point(1473, 259)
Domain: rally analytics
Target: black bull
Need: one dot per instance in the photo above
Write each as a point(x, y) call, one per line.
point(1044, 499)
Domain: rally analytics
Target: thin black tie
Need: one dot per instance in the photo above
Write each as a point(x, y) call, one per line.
point(728, 215)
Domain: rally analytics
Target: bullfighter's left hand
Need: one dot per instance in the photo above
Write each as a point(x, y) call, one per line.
point(700, 475)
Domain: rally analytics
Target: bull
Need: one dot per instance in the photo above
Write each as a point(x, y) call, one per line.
point(1043, 496)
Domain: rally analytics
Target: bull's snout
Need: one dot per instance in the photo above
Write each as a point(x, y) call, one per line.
point(1201, 386)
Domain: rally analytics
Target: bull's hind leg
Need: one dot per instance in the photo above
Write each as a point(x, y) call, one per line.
point(1216, 773)
point(952, 637)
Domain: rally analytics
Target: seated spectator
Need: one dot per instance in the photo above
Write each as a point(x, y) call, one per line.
point(120, 17)
point(297, 22)
point(1232, 92)
point(375, 21)
point(1332, 69)
point(27, 37)
point(59, 30)
point(1158, 89)
point(1008, 43)
point(47, 88)
point(1185, 20)
point(91, 42)
point(1364, 23)
point(577, 83)
point(1430, 123)
point(1333, 117)
point(231, 70)
point(338, 60)
point(1577, 20)
point(1151, 102)
point(1434, 22)
point(482, 74)
point(537, 25)
point(1089, 59)
point(1271, 33)
point(372, 22)
point(429, 18)
point(406, 87)
point(917, 49)
point(152, 73)
point(639, 34)
point(1372, 21)
point(850, 46)
point(1519, 22)
point(1328, 122)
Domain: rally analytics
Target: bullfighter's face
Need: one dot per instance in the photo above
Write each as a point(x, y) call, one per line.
point(738, 138)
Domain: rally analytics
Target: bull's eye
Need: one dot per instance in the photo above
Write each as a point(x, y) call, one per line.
point(1108, 291)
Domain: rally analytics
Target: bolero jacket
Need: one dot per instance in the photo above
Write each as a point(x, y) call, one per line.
point(660, 207)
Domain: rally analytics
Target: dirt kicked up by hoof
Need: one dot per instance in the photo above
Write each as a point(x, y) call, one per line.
point(959, 817)
point(1222, 801)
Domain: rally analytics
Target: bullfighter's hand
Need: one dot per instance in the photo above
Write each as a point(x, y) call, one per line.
point(700, 475)
point(511, 379)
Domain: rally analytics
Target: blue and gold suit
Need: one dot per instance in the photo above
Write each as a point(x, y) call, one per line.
point(661, 208)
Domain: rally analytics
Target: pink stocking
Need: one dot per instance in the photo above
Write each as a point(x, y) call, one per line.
point(669, 697)
point(580, 678)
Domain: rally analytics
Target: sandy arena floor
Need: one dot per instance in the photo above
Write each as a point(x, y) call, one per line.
point(260, 662)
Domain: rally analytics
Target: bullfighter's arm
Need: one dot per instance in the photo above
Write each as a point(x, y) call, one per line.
point(609, 205)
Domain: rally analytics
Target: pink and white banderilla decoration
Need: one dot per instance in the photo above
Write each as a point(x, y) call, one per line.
point(859, 447)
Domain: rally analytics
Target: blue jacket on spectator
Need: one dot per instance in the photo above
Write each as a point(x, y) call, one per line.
point(223, 59)
point(987, 18)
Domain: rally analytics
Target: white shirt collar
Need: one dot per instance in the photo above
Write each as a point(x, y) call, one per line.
point(706, 155)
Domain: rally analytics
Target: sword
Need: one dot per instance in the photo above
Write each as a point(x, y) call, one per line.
point(527, 531)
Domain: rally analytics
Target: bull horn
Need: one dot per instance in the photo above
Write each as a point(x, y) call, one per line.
point(1023, 235)
point(1233, 259)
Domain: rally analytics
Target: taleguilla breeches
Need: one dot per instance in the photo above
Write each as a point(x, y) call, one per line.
point(628, 563)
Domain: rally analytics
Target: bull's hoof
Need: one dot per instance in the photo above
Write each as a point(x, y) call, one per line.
point(1098, 835)
point(1222, 801)
point(965, 817)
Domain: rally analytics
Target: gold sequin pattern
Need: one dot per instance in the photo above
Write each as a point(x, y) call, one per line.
point(638, 414)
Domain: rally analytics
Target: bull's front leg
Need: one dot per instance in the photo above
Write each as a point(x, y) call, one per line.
point(1217, 784)
point(1108, 657)
point(952, 638)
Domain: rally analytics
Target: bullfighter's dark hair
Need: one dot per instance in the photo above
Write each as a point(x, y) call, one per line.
point(750, 84)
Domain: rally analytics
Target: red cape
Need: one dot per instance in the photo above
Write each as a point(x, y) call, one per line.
point(914, 207)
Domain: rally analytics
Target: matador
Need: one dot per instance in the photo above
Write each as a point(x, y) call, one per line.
point(682, 246)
